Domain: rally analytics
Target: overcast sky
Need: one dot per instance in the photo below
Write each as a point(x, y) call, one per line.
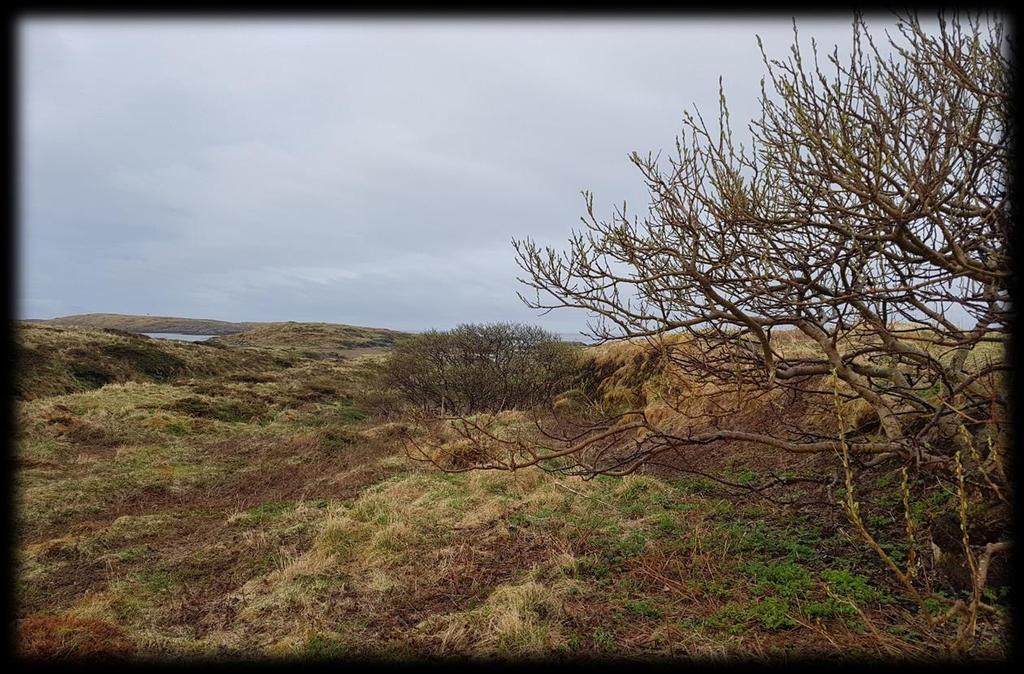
point(351, 171)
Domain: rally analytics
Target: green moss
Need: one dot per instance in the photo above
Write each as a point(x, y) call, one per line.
point(797, 543)
point(785, 579)
point(773, 613)
point(853, 586)
point(717, 588)
point(643, 608)
point(736, 617)
point(744, 477)
point(829, 608)
point(732, 617)
point(616, 545)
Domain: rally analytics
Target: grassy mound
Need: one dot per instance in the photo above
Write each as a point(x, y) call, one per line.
point(54, 361)
point(313, 340)
point(130, 323)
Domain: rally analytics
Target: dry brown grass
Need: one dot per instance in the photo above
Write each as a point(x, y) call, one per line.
point(66, 637)
point(55, 361)
point(303, 531)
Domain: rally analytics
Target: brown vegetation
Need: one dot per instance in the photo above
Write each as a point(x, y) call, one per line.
point(63, 637)
point(262, 513)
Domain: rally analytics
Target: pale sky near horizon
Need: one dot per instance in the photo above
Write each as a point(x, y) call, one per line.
point(355, 171)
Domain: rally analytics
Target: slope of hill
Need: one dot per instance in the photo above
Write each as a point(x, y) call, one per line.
point(312, 340)
point(56, 361)
point(218, 500)
point(132, 323)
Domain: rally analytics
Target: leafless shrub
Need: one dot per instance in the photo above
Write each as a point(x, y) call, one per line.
point(479, 368)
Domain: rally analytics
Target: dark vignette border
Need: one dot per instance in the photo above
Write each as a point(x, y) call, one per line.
point(524, 10)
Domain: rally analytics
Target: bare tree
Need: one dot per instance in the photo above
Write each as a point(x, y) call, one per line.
point(854, 257)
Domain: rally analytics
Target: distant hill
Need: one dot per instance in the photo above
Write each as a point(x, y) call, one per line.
point(130, 323)
point(57, 360)
point(309, 340)
point(80, 353)
point(315, 340)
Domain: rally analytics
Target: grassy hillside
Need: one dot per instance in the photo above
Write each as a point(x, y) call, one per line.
point(238, 502)
point(325, 339)
point(131, 323)
point(57, 360)
point(54, 361)
point(312, 339)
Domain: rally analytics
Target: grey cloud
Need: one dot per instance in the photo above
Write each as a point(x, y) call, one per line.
point(351, 171)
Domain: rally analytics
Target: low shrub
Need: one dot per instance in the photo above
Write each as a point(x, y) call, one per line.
point(480, 368)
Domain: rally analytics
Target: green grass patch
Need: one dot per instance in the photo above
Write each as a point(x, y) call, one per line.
point(785, 579)
point(644, 608)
